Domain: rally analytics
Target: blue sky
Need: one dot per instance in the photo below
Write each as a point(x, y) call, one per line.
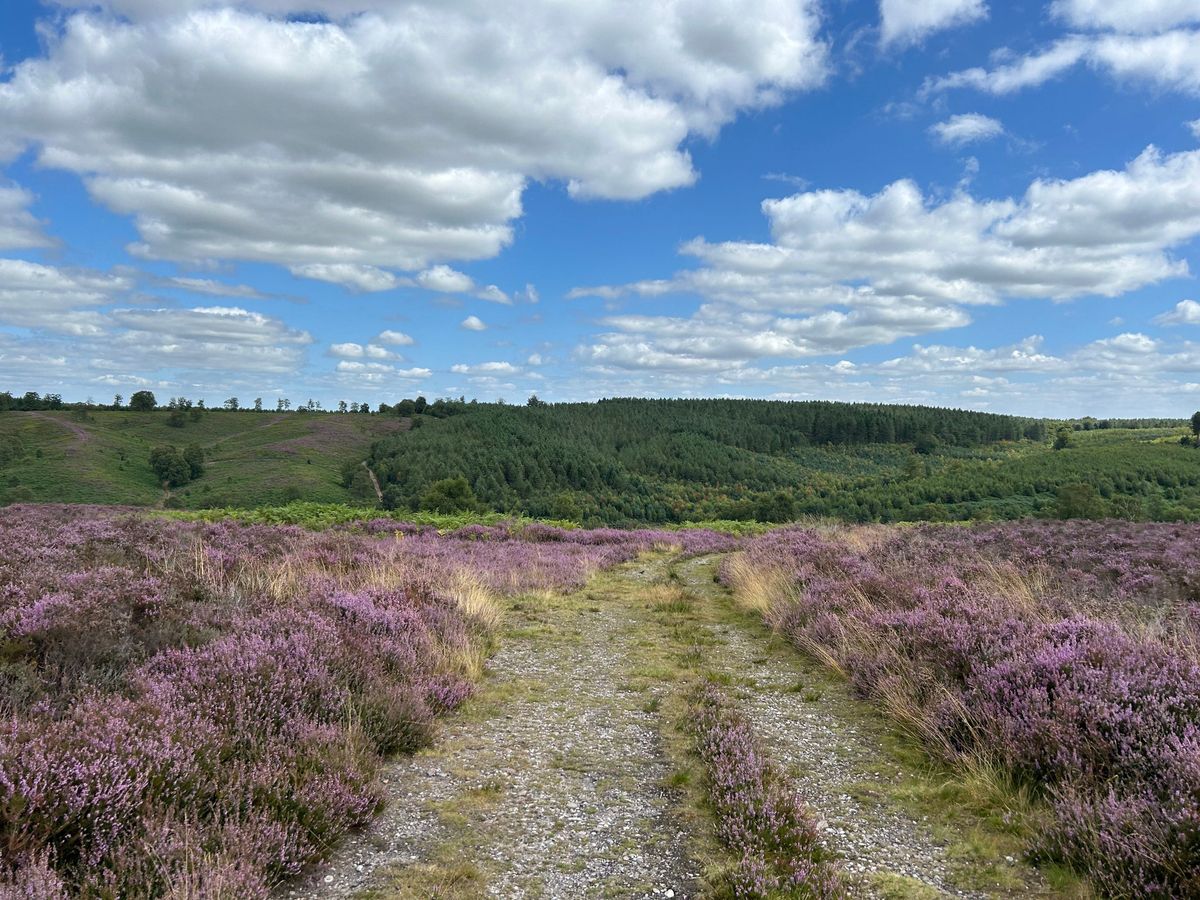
point(952, 202)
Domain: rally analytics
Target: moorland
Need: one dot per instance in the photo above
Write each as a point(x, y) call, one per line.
point(403, 653)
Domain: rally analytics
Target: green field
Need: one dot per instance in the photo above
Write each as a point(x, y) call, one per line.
point(251, 459)
point(663, 463)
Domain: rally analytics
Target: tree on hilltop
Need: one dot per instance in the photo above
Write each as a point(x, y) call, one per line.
point(142, 401)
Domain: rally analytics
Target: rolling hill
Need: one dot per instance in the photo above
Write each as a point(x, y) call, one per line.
point(101, 456)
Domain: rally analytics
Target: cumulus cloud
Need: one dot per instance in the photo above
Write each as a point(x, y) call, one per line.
point(1186, 312)
point(395, 338)
point(18, 227)
point(846, 270)
point(1142, 16)
point(968, 128)
point(214, 338)
point(356, 277)
point(347, 350)
point(716, 337)
point(391, 139)
point(908, 21)
point(1024, 356)
point(445, 280)
point(473, 323)
point(53, 299)
point(1194, 126)
point(352, 350)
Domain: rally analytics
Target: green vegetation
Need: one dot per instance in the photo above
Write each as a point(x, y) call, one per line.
point(636, 461)
point(103, 456)
point(319, 516)
point(616, 462)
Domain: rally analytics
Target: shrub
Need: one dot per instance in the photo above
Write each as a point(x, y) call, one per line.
point(449, 495)
point(170, 466)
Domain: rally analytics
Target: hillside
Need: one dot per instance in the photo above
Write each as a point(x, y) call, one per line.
point(623, 461)
point(101, 456)
point(617, 462)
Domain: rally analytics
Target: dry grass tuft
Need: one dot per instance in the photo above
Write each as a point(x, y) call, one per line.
point(756, 588)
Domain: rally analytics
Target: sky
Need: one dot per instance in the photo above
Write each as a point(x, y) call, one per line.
point(982, 205)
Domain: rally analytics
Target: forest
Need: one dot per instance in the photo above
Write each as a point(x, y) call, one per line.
point(624, 460)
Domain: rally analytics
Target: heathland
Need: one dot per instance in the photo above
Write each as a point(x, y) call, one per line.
point(617, 462)
point(409, 682)
point(229, 710)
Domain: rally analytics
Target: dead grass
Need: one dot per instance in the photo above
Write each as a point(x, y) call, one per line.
point(756, 588)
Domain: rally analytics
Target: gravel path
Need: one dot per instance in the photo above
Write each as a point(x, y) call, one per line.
point(553, 781)
point(552, 785)
point(829, 756)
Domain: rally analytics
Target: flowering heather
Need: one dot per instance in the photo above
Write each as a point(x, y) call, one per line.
point(990, 645)
point(760, 817)
point(192, 709)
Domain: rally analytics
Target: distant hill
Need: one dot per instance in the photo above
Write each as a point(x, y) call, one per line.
point(251, 458)
point(617, 462)
point(630, 461)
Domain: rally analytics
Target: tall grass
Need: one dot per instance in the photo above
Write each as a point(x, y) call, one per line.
point(1035, 651)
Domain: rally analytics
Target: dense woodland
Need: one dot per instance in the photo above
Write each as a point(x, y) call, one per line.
point(621, 461)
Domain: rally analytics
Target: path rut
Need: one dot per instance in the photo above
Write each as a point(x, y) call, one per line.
point(553, 781)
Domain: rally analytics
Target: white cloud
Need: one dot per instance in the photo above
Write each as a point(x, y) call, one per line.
point(1169, 61)
point(493, 294)
point(1186, 312)
point(215, 338)
point(908, 21)
point(54, 299)
point(1027, 71)
point(1025, 356)
point(350, 275)
point(1195, 128)
point(393, 139)
point(379, 371)
point(395, 338)
point(846, 270)
point(716, 337)
point(445, 280)
point(967, 128)
point(348, 350)
point(486, 368)
point(351, 350)
point(473, 323)
point(215, 288)
point(18, 227)
point(1139, 16)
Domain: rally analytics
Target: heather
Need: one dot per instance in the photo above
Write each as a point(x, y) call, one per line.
point(760, 817)
point(1062, 654)
point(201, 709)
